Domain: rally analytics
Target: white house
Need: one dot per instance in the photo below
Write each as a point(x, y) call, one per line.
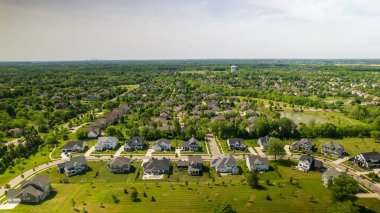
point(106, 143)
point(233, 68)
point(307, 162)
point(257, 163)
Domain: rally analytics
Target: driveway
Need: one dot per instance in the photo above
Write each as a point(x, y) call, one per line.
point(215, 152)
point(7, 206)
point(149, 152)
point(88, 153)
point(260, 151)
point(119, 151)
point(178, 152)
point(250, 149)
point(288, 153)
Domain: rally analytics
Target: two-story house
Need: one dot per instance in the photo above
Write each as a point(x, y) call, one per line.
point(163, 145)
point(307, 163)
point(106, 143)
point(225, 164)
point(193, 165)
point(263, 142)
point(191, 145)
point(368, 159)
point(31, 191)
point(302, 145)
point(74, 166)
point(120, 165)
point(135, 143)
point(333, 149)
point(236, 143)
point(256, 163)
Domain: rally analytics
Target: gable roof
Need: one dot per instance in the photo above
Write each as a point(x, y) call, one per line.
point(155, 164)
point(102, 140)
point(195, 159)
point(38, 180)
point(225, 161)
point(71, 144)
point(371, 156)
point(333, 145)
point(135, 140)
point(235, 141)
point(119, 161)
point(76, 160)
point(257, 158)
point(163, 140)
point(306, 158)
point(333, 173)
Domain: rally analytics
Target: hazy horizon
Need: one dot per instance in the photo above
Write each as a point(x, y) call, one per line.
point(188, 30)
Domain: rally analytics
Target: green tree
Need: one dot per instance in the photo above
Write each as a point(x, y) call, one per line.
point(343, 207)
point(344, 188)
point(134, 195)
point(376, 135)
point(81, 134)
point(275, 147)
point(253, 180)
point(224, 207)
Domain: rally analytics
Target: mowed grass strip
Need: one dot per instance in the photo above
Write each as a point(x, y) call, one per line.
point(200, 195)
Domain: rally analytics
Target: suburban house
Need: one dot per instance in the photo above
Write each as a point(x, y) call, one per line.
point(368, 159)
point(163, 145)
point(236, 143)
point(332, 149)
point(225, 164)
point(191, 145)
point(156, 166)
point(307, 163)
point(193, 165)
point(135, 143)
point(74, 146)
point(330, 175)
point(120, 165)
point(93, 132)
point(256, 163)
point(263, 142)
point(106, 143)
point(32, 191)
point(302, 145)
point(74, 166)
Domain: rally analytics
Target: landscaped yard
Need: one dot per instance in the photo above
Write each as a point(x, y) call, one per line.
point(90, 193)
point(352, 146)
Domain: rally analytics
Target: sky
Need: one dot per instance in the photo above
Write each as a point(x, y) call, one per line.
point(44, 30)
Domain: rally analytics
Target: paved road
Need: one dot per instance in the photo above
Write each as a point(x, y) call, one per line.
point(17, 180)
point(215, 152)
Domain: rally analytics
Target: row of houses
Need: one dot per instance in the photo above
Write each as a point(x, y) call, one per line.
point(332, 149)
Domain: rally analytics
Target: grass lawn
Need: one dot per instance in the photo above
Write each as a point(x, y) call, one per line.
point(369, 203)
point(39, 158)
point(89, 192)
point(352, 146)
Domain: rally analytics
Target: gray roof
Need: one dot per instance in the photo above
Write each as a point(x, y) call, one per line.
point(233, 141)
point(371, 156)
point(102, 140)
point(263, 140)
point(195, 159)
point(135, 140)
point(333, 145)
point(75, 160)
point(255, 158)
point(71, 144)
point(182, 163)
point(155, 164)
point(225, 161)
point(13, 193)
point(120, 161)
point(333, 173)
point(302, 142)
point(306, 158)
point(38, 180)
point(163, 140)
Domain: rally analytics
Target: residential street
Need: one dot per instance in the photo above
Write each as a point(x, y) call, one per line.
point(213, 145)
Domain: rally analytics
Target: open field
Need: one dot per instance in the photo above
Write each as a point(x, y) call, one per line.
point(171, 196)
point(352, 146)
